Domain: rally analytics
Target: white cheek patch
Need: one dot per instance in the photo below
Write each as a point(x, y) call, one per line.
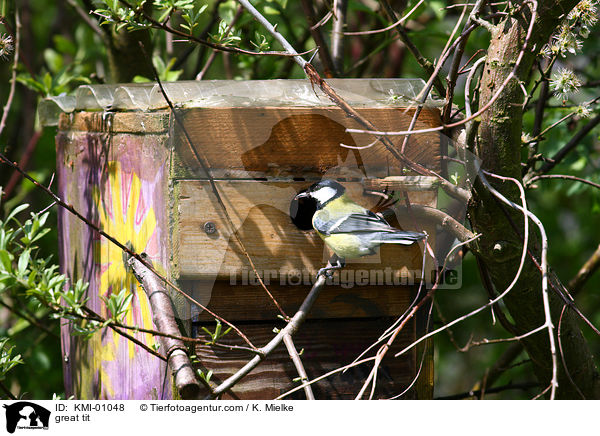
point(324, 194)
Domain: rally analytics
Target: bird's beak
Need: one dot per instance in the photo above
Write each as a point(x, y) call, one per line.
point(303, 195)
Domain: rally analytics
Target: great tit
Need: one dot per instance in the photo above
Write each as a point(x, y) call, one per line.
point(349, 229)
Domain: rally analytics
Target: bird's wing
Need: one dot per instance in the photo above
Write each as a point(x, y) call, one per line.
point(352, 223)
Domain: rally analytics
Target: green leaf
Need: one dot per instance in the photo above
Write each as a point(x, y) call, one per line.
point(54, 60)
point(6, 260)
point(23, 262)
point(268, 10)
point(163, 17)
point(64, 45)
point(16, 210)
point(579, 164)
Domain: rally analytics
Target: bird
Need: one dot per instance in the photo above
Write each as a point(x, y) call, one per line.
point(349, 229)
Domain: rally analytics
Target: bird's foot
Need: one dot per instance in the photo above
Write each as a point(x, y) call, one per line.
point(328, 270)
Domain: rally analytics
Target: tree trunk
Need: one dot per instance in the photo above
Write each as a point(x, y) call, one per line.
point(499, 147)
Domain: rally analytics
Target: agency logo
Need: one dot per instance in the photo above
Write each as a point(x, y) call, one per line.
point(26, 415)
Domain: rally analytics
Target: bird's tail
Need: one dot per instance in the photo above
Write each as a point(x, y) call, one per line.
point(401, 237)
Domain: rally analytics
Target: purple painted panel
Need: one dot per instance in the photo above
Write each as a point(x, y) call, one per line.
point(119, 182)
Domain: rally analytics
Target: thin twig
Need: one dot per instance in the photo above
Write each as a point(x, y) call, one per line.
point(158, 25)
point(29, 318)
point(503, 363)
point(562, 176)
point(315, 31)
point(96, 317)
point(13, 79)
point(544, 265)
point(337, 34)
point(425, 63)
point(213, 185)
point(94, 227)
point(458, 54)
point(324, 376)
point(86, 18)
point(390, 27)
point(291, 348)
point(25, 157)
point(7, 391)
point(562, 356)
point(585, 272)
point(512, 75)
point(213, 54)
point(574, 142)
point(293, 325)
point(271, 29)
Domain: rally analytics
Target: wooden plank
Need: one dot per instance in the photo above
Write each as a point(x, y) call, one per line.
point(260, 212)
point(115, 122)
point(327, 345)
point(299, 141)
point(249, 302)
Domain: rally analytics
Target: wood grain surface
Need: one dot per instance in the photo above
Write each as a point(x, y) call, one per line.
point(296, 141)
point(327, 345)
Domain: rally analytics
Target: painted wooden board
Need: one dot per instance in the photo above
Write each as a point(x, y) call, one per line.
point(297, 142)
point(118, 182)
point(327, 345)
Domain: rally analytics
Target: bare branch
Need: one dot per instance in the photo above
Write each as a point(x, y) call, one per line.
point(390, 27)
point(564, 177)
point(291, 348)
point(78, 215)
point(213, 186)
point(426, 64)
point(164, 320)
point(337, 34)
point(13, 79)
point(569, 146)
point(317, 35)
point(544, 265)
point(585, 272)
point(293, 325)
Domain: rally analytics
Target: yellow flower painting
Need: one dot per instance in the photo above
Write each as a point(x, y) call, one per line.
point(125, 214)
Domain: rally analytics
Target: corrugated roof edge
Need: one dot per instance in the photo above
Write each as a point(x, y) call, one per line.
point(215, 93)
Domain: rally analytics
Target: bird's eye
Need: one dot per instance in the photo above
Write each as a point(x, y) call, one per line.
point(302, 211)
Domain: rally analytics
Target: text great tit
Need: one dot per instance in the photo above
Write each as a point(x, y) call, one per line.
point(349, 229)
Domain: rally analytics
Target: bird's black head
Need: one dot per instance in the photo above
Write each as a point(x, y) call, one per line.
point(307, 202)
point(324, 191)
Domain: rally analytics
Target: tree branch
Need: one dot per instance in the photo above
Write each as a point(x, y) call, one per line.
point(293, 325)
point(291, 348)
point(164, 320)
point(585, 272)
point(426, 64)
point(574, 142)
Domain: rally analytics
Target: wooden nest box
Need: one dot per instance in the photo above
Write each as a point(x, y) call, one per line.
point(144, 178)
